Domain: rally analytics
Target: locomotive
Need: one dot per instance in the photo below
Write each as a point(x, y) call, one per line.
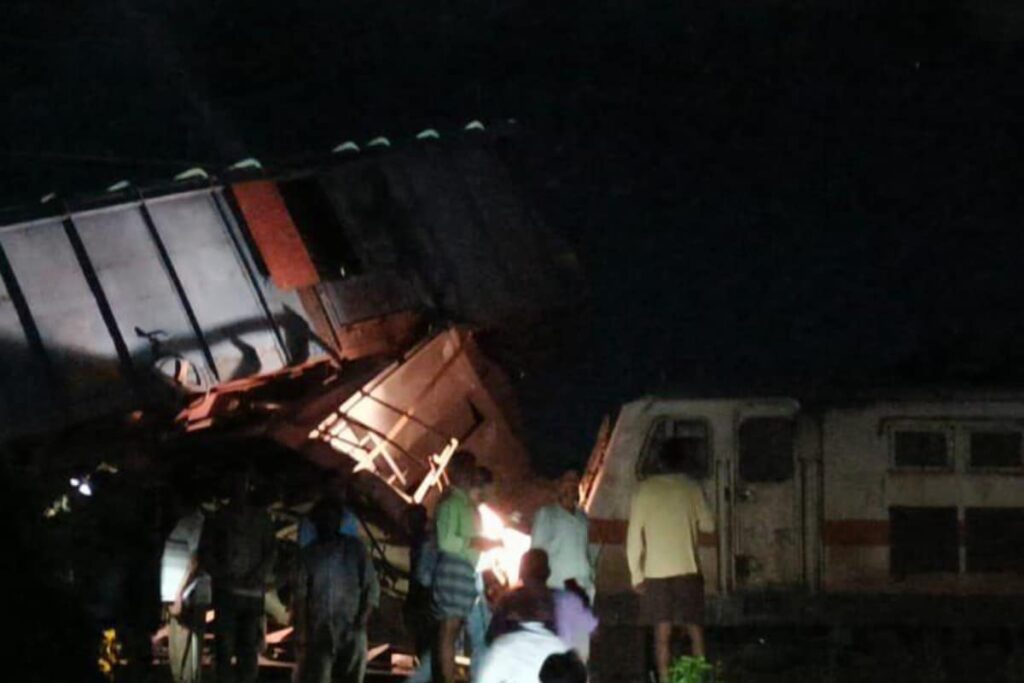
point(838, 509)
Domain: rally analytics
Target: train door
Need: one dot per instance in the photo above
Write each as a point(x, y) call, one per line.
point(765, 498)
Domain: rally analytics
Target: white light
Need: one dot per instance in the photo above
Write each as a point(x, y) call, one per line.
point(503, 560)
point(85, 489)
point(75, 482)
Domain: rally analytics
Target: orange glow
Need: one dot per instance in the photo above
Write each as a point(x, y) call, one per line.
point(503, 561)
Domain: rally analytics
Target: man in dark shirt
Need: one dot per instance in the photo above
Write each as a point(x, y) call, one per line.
point(238, 550)
point(531, 602)
point(418, 618)
point(336, 588)
point(563, 668)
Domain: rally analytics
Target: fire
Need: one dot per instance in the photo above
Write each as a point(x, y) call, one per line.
point(503, 561)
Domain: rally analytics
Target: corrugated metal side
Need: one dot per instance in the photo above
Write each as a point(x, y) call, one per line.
point(187, 277)
point(77, 341)
point(136, 284)
point(213, 274)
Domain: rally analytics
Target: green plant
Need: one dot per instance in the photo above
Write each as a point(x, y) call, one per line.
point(693, 670)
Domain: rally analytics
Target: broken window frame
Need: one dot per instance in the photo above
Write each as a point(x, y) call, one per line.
point(646, 463)
point(332, 249)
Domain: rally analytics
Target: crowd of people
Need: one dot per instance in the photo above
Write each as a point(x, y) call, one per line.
point(230, 560)
point(510, 632)
point(536, 631)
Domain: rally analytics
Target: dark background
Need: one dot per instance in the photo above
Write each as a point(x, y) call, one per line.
point(762, 194)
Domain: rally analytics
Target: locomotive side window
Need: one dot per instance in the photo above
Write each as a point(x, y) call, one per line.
point(766, 449)
point(995, 539)
point(992, 450)
point(923, 540)
point(689, 440)
point(921, 449)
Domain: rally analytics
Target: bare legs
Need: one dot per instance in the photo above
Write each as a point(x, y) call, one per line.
point(662, 649)
point(663, 645)
point(696, 634)
point(444, 652)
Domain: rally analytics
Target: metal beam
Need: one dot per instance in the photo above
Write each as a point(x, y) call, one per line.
point(179, 288)
point(106, 312)
point(253, 279)
point(20, 303)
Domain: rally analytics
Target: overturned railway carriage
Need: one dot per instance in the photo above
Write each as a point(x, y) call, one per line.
point(311, 306)
point(105, 300)
point(840, 511)
point(162, 334)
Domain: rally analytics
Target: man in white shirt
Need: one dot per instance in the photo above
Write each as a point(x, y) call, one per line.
point(563, 532)
point(179, 579)
point(517, 657)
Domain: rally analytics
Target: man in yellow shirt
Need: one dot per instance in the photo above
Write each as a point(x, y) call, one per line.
point(667, 513)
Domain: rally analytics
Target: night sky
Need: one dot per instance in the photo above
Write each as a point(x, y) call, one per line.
point(761, 193)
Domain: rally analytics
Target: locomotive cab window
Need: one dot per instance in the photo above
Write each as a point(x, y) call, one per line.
point(685, 440)
point(766, 449)
point(920, 449)
point(995, 450)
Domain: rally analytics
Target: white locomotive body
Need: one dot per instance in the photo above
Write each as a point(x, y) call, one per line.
point(850, 503)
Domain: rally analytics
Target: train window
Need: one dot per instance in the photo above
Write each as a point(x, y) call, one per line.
point(688, 440)
point(923, 540)
point(995, 449)
point(766, 449)
point(920, 449)
point(994, 539)
point(311, 210)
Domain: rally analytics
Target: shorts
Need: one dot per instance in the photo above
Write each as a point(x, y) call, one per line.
point(454, 590)
point(677, 600)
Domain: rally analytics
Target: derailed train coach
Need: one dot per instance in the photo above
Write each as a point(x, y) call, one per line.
point(214, 279)
point(354, 313)
point(337, 309)
point(839, 511)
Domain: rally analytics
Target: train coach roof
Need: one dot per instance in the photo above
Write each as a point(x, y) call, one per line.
point(58, 202)
point(823, 397)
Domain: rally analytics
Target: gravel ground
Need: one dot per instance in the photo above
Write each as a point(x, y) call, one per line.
point(925, 655)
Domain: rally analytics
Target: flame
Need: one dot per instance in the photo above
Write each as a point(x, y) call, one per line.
point(503, 561)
